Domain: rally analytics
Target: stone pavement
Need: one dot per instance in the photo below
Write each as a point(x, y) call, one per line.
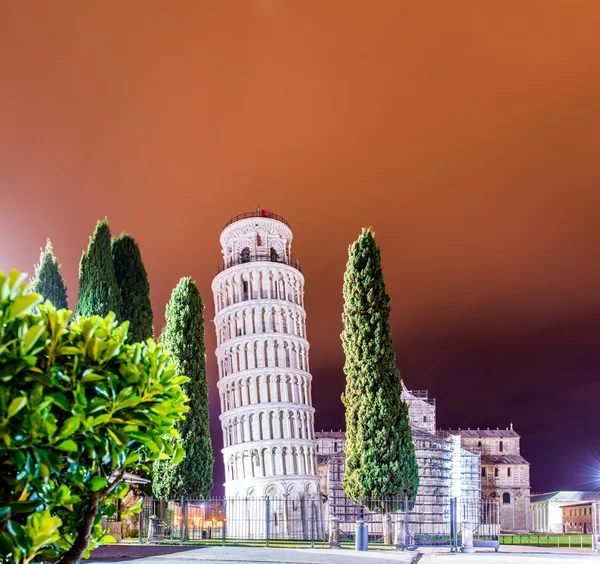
point(243, 554)
point(148, 554)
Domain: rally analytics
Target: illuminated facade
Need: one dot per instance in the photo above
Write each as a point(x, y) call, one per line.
point(267, 416)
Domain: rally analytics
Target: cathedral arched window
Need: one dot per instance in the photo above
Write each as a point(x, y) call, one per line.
point(245, 255)
point(274, 255)
point(501, 447)
point(506, 498)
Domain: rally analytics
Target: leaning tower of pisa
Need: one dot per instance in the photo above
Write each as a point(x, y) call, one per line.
point(267, 416)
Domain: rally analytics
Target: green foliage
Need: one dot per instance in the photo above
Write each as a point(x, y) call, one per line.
point(47, 280)
point(98, 290)
point(380, 455)
point(183, 337)
point(135, 290)
point(77, 407)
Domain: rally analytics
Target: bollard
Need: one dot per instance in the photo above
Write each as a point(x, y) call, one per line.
point(362, 536)
point(400, 535)
point(467, 537)
point(334, 532)
point(141, 520)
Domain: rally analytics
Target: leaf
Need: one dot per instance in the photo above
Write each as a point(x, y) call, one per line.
point(4, 511)
point(69, 446)
point(97, 483)
point(137, 508)
point(70, 425)
point(108, 539)
point(100, 419)
point(115, 437)
point(23, 304)
point(16, 405)
point(32, 336)
point(179, 454)
point(24, 506)
point(92, 378)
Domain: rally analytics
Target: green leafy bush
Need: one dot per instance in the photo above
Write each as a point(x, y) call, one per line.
point(77, 406)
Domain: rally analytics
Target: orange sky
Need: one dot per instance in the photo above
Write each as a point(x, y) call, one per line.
point(466, 133)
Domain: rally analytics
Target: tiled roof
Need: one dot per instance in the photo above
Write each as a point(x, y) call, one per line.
point(484, 433)
point(567, 496)
point(503, 459)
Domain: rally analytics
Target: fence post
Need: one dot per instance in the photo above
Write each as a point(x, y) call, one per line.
point(141, 517)
point(267, 519)
point(312, 522)
point(453, 525)
point(224, 522)
point(406, 524)
point(181, 520)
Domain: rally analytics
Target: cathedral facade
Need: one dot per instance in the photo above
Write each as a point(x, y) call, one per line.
point(504, 473)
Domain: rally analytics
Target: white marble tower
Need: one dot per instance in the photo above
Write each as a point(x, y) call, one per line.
point(267, 416)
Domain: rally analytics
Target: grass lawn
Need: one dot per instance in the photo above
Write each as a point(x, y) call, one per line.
point(577, 541)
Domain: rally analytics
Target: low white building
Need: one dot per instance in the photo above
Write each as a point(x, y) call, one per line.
point(546, 509)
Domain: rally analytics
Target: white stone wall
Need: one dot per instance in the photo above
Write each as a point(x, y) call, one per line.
point(267, 418)
point(421, 409)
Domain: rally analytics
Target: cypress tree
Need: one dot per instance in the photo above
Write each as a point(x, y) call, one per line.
point(47, 280)
point(380, 455)
point(183, 337)
point(132, 280)
point(98, 290)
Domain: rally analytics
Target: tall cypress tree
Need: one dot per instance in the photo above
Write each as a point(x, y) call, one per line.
point(132, 280)
point(380, 455)
point(98, 290)
point(47, 280)
point(183, 336)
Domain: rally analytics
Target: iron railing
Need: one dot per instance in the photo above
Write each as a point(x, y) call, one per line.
point(259, 257)
point(426, 521)
point(257, 213)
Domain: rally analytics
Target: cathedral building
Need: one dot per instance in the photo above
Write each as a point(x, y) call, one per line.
point(504, 473)
point(264, 384)
point(446, 470)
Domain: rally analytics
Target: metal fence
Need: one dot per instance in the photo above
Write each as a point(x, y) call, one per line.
point(430, 521)
point(596, 527)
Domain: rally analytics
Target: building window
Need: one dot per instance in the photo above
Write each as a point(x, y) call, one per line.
point(483, 473)
point(508, 472)
point(496, 472)
point(478, 444)
point(258, 240)
point(424, 418)
point(506, 498)
point(245, 254)
point(501, 446)
point(274, 255)
point(335, 447)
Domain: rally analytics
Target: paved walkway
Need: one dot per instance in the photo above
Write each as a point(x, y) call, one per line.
point(243, 554)
point(149, 554)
